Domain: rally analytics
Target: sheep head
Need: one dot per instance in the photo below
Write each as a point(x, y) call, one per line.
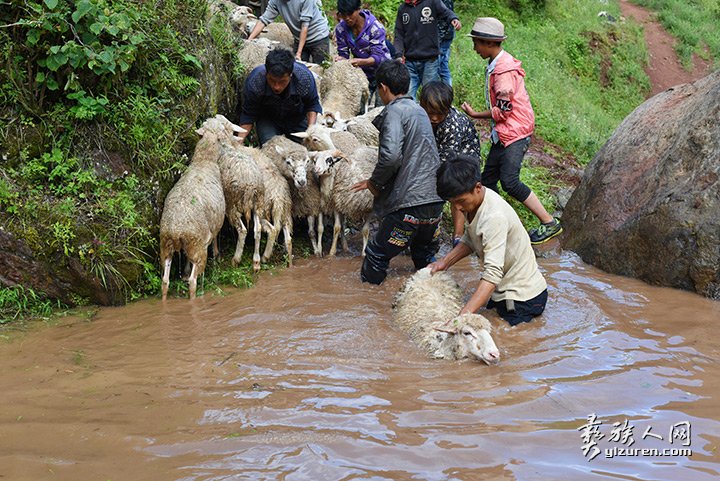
point(334, 120)
point(220, 127)
point(325, 159)
point(468, 336)
point(317, 137)
point(296, 163)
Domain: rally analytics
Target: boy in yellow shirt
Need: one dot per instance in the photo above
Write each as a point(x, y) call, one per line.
point(511, 281)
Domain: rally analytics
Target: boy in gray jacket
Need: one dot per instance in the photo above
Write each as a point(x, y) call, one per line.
point(403, 181)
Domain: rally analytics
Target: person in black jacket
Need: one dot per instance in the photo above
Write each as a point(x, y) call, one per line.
point(417, 39)
point(403, 182)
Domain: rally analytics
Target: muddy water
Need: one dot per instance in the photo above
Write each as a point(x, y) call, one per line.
point(303, 378)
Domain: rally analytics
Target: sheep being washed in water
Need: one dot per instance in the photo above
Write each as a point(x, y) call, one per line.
point(422, 309)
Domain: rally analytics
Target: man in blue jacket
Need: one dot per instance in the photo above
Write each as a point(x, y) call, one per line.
point(403, 182)
point(279, 97)
point(417, 39)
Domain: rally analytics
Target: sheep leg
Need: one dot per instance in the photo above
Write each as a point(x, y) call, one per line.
point(192, 280)
point(272, 232)
point(287, 235)
point(321, 231)
point(365, 234)
point(216, 248)
point(242, 233)
point(257, 228)
point(166, 277)
point(343, 237)
point(337, 227)
point(311, 233)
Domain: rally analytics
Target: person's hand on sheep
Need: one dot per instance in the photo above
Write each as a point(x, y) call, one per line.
point(365, 184)
point(437, 266)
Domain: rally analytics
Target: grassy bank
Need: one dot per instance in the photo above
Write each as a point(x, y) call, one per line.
point(694, 23)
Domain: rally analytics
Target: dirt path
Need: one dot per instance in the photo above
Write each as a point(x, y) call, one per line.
point(665, 69)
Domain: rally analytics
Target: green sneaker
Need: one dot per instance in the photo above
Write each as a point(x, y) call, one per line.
point(545, 232)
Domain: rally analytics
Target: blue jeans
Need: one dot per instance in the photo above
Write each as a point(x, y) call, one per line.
point(444, 61)
point(421, 72)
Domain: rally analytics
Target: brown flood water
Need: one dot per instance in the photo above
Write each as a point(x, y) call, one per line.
point(303, 378)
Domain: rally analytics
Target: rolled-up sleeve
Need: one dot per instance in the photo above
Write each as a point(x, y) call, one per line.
point(390, 151)
point(494, 240)
point(271, 12)
point(307, 11)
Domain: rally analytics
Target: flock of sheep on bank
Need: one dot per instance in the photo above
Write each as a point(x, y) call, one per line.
point(269, 186)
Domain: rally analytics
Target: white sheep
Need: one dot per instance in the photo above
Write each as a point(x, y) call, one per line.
point(278, 206)
point(338, 173)
point(360, 126)
point(318, 137)
point(238, 16)
point(424, 306)
point(344, 92)
point(294, 163)
point(253, 53)
point(194, 209)
point(275, 31)
point(244, 189)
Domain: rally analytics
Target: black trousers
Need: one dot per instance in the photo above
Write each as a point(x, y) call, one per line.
point(416, 228)
point(523, 311)
point(503, 164)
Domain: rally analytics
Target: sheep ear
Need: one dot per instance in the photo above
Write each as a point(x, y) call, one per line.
point(302, 135)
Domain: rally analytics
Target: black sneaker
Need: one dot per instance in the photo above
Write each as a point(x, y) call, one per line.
point(545, 232)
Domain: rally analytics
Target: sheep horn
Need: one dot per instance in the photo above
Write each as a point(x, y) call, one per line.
point(449, 331)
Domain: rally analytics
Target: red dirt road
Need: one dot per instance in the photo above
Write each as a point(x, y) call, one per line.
point(665, 69)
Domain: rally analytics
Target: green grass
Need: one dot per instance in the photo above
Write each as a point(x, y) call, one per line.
point(695, 23)
point(583, 75)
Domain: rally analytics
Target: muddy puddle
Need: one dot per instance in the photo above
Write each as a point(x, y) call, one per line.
point(303, 378)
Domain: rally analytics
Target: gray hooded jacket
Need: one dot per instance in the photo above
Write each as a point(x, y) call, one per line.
point(408, 158)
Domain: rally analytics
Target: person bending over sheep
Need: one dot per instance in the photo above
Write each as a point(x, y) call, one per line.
point(403, 181)
point(360, 35)
point(511, 281)
point(308, 25)
point(279, 97)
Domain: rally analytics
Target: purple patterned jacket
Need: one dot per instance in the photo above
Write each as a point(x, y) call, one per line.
point(370, 42)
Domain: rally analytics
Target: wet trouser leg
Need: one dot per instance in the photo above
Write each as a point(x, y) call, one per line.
point(414, 227)
point(522, 311)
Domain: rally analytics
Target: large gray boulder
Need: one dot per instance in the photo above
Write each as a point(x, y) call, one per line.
point(649, 203)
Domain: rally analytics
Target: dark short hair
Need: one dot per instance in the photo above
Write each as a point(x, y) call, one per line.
point(394, 74)
point(458, 175)
point(436, 97)
point(279, 61)
point(346, 7)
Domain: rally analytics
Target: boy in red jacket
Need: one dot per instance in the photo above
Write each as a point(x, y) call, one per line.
point(512, 120)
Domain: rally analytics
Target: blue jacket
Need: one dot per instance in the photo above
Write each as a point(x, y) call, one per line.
point(299, 98)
